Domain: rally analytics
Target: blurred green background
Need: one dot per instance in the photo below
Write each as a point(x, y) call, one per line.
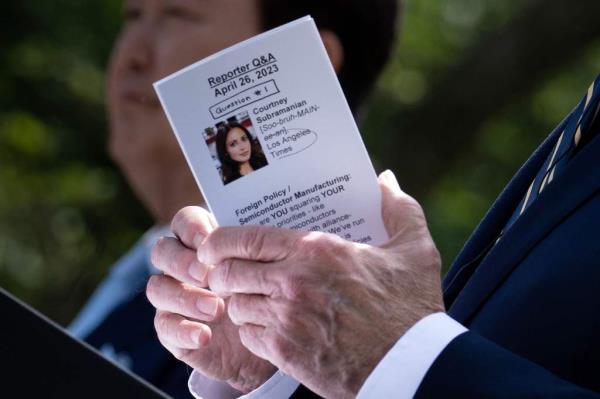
point(473, 87)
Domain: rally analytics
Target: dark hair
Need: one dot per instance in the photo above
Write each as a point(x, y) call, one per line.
point(230, 169)
point(366, 29)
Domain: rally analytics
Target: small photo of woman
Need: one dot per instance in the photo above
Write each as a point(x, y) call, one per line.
point(238, 151)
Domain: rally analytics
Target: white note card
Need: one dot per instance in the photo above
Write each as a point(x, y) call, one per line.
point(269, 136)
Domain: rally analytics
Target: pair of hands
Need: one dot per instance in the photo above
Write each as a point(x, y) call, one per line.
point(321, 309)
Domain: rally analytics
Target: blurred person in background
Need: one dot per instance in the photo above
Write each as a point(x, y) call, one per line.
point(158, 38)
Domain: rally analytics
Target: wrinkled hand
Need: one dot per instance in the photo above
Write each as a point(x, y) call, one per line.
point(322, 309)
point(189, 319)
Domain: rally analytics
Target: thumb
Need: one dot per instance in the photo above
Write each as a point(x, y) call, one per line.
point(398, 210)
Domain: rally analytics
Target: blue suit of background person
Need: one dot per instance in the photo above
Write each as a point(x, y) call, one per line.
point(118, 320)
point(531, 300)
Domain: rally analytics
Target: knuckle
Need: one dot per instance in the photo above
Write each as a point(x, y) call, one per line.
point(411, 205)
point(327, 252)
point(180, 261)
point(308, 241)
point(180, 333)
point(218, 277)
point(171, 328)
point(181, 300)
point(187, 222)
point(225, 271)
point(295, 286)
point(252, 237)
point(407, 200)
point(217, 235)
point(431, 253)
point(318, 244)
point(309, 246)
point(429, 247)
point(288, 318)
point(321, 248)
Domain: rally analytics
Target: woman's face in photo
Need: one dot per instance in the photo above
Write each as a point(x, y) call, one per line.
point(238, 145)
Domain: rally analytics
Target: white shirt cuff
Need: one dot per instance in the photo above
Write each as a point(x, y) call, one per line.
point(279, 386)
point(400, 373)
point(203, 387)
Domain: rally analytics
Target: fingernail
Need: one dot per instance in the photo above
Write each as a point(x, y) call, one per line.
point(201, 256)
point(390, 178)
point(197, 271)
point(195, 335)
point(208, 305)
point(197, 240)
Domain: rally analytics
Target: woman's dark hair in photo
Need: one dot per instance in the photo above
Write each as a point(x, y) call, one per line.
point(230, 169)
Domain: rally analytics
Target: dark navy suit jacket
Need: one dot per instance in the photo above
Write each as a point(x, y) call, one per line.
point(532, 302)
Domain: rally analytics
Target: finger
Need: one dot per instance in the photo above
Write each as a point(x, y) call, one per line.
point(237, 276)
point(181, 354)
point(168, 294)
point(191, 224)
point(177, 332)
point(387, 179)
point(251, 309)
point(176, 260)
point(262, 243)
point(398, 209)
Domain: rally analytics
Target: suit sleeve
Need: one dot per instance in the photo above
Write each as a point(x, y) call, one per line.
point(473, 367)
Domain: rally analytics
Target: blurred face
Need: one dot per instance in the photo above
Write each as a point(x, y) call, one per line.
point(238, 145)
point(160, 37)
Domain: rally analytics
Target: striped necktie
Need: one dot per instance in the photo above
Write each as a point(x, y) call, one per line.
point(580, 128)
